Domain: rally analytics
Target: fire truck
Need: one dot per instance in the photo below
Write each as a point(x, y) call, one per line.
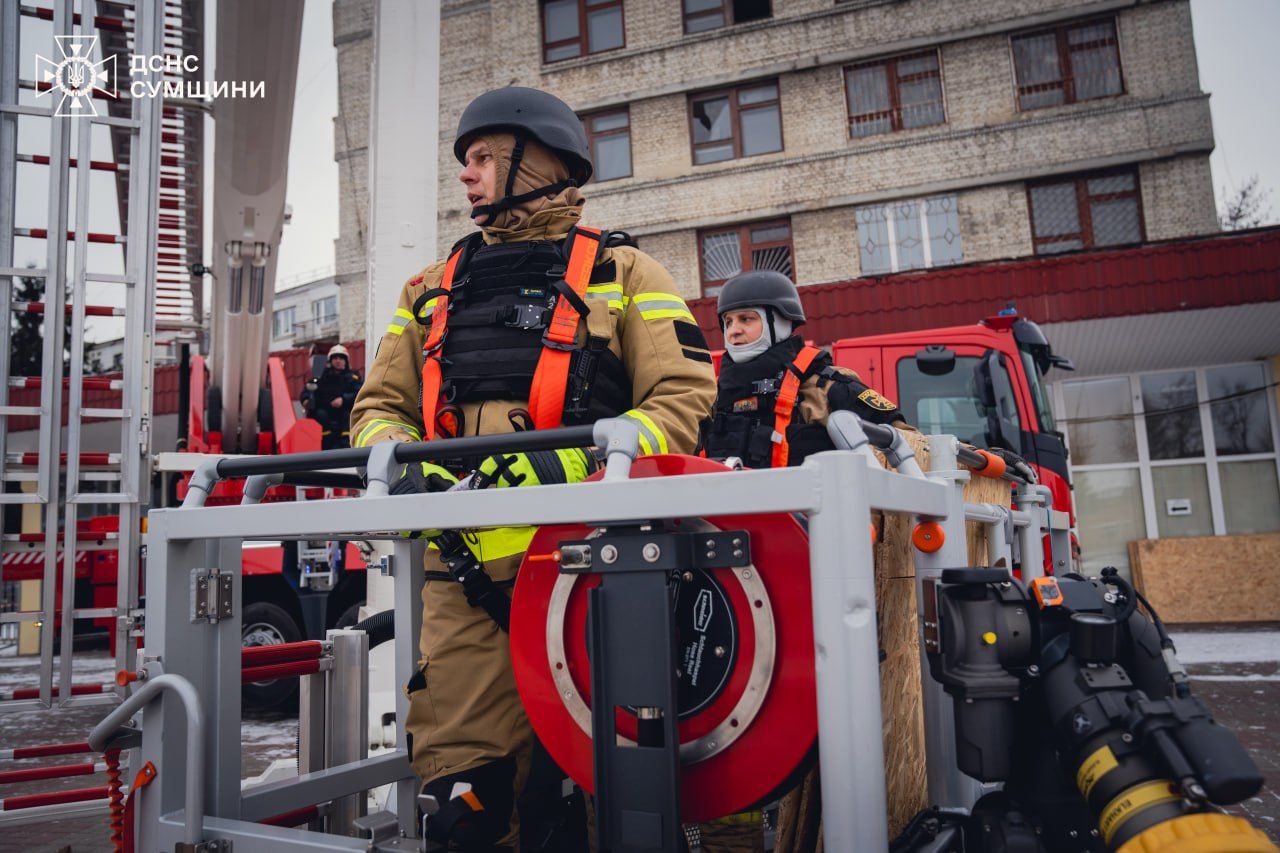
point(984, 383)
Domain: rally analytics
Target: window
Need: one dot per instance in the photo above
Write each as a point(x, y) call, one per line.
point(573, 28)
point(909, 235)
point(1175, 453)
point(703, 15)
point(609, 141)
point(946, 404)
point(282, 322)
point(738, 123)
point(1085, 212)
point(1073, 63)
point(324, 310)
point(894, 94)
point(759, 246)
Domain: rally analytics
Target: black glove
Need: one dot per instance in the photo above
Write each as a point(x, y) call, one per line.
point(420, 477)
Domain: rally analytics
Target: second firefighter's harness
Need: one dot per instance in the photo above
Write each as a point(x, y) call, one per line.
point(741, 425)
point(551, 374)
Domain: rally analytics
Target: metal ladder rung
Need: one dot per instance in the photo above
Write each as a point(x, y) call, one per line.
point(105, 413)
point(39, 86)
point(96, 165)
point(102, 498)
point(89, 310)
point(30, 411)
point(89, 383)
point(102, 22)
point(94, 613)
point(21, 477)
point(20, 498)
point(100, 476)
point(21, 272)
point(34, 692)
point(92, 236)
point(38, 538)
point(95, 459)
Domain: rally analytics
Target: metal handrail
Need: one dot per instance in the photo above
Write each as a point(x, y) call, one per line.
point(193, 810)
point(617, 436)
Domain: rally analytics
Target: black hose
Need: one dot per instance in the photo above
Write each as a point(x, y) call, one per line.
point(380, 627)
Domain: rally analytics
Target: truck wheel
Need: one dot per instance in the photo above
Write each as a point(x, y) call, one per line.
point(266, 624)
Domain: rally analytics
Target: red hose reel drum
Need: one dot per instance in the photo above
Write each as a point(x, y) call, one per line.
point(748, 708)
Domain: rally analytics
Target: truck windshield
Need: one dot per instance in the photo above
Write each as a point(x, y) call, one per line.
point(1039, 394)
point(952, 403)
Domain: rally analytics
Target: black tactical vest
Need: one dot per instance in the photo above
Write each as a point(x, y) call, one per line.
point(742, 422)
point(499, 308)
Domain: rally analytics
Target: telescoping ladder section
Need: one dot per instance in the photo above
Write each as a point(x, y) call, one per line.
point(65, 473)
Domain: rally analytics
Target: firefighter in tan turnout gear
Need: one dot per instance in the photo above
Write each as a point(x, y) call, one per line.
point(535, 321)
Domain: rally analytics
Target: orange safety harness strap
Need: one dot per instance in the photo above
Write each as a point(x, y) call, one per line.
point(145, 777)
point(431, 375)
point(551, 377)
point(786, 403)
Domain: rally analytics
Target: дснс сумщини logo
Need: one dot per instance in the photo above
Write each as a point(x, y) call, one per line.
point(76, 75)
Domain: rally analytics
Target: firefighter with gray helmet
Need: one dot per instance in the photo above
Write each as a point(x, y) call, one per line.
point(328, 398)
point(774, 391)
point(534, 321)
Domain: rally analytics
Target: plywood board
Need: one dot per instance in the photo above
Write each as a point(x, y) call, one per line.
point(1210, 578)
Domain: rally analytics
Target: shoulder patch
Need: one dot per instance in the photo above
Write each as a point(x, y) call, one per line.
point(690, 334)
point(877, 401)
point(604, 272)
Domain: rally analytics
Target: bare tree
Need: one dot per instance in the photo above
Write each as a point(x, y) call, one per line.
point(1247, 207)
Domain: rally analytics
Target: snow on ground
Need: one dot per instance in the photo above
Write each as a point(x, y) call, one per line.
point(1227, 646)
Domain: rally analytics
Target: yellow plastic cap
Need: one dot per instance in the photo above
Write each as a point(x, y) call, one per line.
point(1201, 833)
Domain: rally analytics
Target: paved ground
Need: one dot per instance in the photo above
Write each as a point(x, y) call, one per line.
point(1236, 671)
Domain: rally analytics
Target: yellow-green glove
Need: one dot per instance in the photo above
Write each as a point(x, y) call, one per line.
point(536, 468)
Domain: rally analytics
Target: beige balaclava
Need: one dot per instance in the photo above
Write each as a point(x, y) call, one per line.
point(539, 167)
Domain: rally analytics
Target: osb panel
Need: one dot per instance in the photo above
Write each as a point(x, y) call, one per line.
point(900, 704)
point(1210, 578)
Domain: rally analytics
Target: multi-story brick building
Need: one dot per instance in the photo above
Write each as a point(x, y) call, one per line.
point(832, 139)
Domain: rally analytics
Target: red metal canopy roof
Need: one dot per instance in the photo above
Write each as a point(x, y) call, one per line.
point(1210, 272)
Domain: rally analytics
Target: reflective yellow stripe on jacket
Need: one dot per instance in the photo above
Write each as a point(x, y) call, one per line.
point(373, 428)
point(399, 321)
point(612, 292)
point(659, 306)
point(651, 438)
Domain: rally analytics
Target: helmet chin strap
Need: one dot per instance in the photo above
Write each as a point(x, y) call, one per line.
point(508, 201)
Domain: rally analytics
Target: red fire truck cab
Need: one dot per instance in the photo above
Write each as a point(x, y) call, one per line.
point(983, 383)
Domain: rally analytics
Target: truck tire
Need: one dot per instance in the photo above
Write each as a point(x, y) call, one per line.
point(267, 624)
point(213, 410)
point(266, 412)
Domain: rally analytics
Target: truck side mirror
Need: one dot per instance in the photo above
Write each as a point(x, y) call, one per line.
point(936, 360)
point(1062, 362)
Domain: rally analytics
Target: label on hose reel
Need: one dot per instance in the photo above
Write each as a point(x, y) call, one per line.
point(708, 639)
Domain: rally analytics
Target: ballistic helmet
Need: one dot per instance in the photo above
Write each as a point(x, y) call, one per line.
point(762, 289)
point(533, 114)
